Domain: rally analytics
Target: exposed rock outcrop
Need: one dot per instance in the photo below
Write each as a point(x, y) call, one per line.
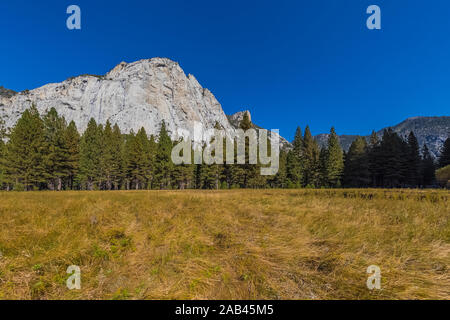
point(134, 95)
point(235, 120)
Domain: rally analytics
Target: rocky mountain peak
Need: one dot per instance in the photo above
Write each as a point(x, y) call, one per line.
point(116, 71)
point(235, 119)
point(133, 95)
point(142, 68)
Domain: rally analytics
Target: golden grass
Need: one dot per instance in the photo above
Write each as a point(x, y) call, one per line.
point(242, 244)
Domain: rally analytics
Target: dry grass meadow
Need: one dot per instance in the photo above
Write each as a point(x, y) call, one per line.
point(238, 244)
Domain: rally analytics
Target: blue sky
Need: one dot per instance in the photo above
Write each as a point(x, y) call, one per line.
point(291, 63)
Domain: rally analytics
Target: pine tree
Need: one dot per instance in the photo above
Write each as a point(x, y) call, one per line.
point(138, 160)
point(127, 154)
point(392, 159)
point(294, 160)
point(239, 172)
point(109, 151)
point(249, 170)
point(90, 153)
point(356, 169)
point(334, 163)
point(3, 179)
point(183, 175)
point(427, 168)
point(101, 172)
point(242, 174)
point(281, 180)
point(212, 174)
point(25, 152)
point(227, 171)
point(143, 161)
point(116, 145)
point(72, 142)
point(55, 151)
point(163, 161)
point(413, 161)
point(444, 159)
point(374, 160)
point(111, 161)
point(153, 149)
point(311, 155)
point(322, 180)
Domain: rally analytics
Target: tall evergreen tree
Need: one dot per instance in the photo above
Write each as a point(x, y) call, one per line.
point(392, 152)
point(143, 161)
point(227, 171)
point(90, 152)
point(138, 160)
point(375, 160)
point(2, 154)
point(72, 142)
point(295, 160)
point(356, 170)
point(444, 159)
point(25, 151)
point(248, 169)
point(183, 175)
point(109, 152)
point(281, 180)
point(55, 151)
point(116, 147)
point(334, 163)
point(243, 174)
point(428, 168)
point(135, 146)
point(211, 174)
point(311, 160)
point(163, 161)
point(101, 172)
point(413, 161)
point(127, 155)
point(153, 149)
point(322, 176)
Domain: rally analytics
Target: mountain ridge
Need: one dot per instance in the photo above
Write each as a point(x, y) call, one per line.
point(429, 130)
point(138, 94)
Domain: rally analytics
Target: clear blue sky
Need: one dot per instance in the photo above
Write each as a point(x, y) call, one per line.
point(289, 62)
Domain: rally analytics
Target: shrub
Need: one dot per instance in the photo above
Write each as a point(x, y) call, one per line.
point(443, 176)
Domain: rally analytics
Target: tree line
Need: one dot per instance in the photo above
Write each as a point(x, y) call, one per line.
point(47, 153)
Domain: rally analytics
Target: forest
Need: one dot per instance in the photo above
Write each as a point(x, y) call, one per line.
point(47, 153)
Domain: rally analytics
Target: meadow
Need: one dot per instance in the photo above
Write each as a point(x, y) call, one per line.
point(233, 244)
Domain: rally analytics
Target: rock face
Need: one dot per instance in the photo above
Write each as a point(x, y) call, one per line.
point(235, 121)
point(135, 95)
point(432, 131)
point(6, 92)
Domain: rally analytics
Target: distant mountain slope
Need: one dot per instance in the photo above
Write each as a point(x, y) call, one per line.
point(345, 140)
point(432, 131)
